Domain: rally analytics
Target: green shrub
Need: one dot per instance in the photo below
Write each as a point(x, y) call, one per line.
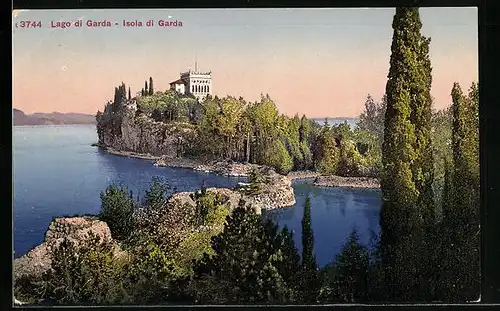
point(87, 273)
point(117, 210)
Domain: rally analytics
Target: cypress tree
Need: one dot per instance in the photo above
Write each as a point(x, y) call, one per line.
point(151, 89)
point(129, 95)
point(308, 258)
point(461, 217)
point(309, 285)
point(146, 92)
point(142, 92)
point(421, 107)
point(406, 173)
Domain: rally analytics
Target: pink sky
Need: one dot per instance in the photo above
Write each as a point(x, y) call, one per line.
point(309, 61)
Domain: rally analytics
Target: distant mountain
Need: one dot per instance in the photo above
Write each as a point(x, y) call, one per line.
point(54, 118)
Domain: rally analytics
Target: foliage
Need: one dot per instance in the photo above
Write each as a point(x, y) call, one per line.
point(117, 210)
point(326, 152)
point(346, 279)
point(460, 225)
point(156, 196)
point(309, 285)
point(308, 258)
point(87, 273)
point(244, 265)
point(372, 118)
point(257, 180)
point(278, 157)
point(148, 275)
point(207, 208)
point(441, 139)
point(151, 88)
point(165, 106)
point(351, 162)
point(407, 159)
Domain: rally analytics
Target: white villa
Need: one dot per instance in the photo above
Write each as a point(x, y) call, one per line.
point(194, 82)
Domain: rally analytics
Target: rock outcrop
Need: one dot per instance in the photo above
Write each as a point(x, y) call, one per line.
point(230, 197)
point(347, 182)
point(277, 192)
point(303, 175)
point(176, 162)
point(228, 168)
point(76, 229)
point(142, 134)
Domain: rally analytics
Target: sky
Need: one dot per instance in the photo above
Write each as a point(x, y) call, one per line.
point(317, 62)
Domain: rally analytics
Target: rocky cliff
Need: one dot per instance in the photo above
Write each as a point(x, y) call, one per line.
point(76, 229)
point(139, 133)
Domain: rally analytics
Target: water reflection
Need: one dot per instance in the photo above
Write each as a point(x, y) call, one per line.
point(334, 213)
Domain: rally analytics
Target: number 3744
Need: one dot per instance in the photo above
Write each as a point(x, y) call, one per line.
point(28, 24)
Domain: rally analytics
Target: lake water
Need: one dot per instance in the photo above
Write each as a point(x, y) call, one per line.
point(57, 173)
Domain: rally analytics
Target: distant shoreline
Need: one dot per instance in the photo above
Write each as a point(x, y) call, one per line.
point(19, 118)
point(40, 125)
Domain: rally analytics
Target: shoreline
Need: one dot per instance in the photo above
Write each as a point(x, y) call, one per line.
point(317, 179)
point(58, 124)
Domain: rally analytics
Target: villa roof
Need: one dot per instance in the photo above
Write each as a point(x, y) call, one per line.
point(180, 81)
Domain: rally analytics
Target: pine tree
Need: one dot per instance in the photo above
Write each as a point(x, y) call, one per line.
point(248, 265)
point(151, 89)
point(351, 267)
point(406, 174)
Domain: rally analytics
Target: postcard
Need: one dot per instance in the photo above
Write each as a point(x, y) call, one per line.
point(245, 156)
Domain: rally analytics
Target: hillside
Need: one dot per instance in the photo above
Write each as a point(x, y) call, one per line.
point(54, 118)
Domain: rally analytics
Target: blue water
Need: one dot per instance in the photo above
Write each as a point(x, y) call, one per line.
point(57, 173)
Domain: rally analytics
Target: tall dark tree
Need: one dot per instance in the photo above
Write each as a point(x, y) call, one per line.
point(421, 107)
point(310, 284)
point(461, 209)
point(406, 172)
point(146, 91)
point(308, 258)
point(129, 95)
point(151, 89)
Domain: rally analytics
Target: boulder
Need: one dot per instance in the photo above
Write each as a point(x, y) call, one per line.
point(76, 229)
